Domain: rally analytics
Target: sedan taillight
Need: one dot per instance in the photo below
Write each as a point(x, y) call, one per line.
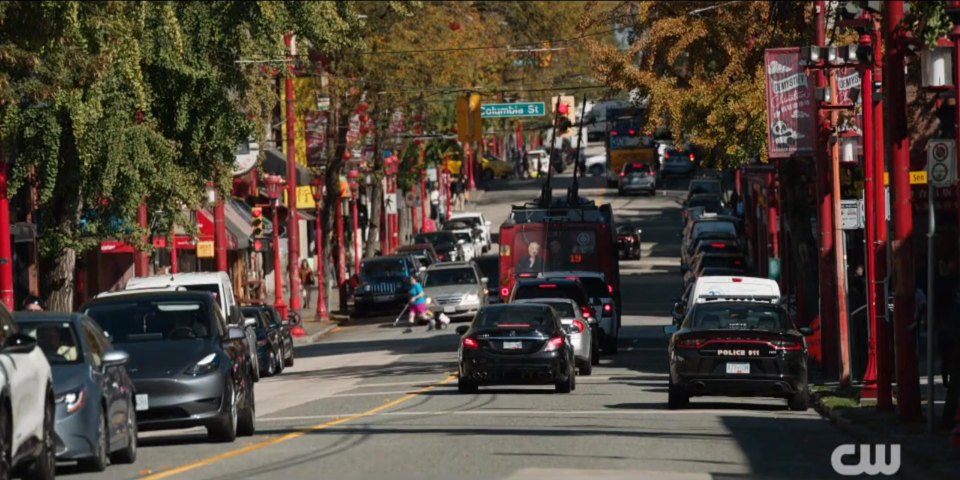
point(554, 344)
point(608, 308)
point(579, 326)
point(786, 345)
point(471, 343)
point(690, 343)
point(587, 311)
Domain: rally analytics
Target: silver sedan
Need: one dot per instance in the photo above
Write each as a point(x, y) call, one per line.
point(584, 348)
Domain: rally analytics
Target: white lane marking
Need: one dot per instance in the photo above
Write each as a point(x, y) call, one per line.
point(563, 414)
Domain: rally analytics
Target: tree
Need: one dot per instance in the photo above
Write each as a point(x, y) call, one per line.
point(703, 73)
point(117, 102)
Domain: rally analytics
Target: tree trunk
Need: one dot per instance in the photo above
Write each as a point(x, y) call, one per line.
point(59, 281)
point(373, 237)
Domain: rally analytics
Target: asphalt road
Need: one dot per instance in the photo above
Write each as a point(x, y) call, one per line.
point(371, 402)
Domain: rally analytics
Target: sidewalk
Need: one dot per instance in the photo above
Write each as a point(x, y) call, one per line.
point(924, 455)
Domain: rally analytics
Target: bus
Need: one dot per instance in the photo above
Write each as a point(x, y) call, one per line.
point(627, 142)
point(559, 236)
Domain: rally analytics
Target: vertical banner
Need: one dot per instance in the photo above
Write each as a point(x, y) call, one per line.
point(791, 112)
point(316, 132)
point(848, 93)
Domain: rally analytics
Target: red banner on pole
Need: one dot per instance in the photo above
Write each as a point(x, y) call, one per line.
point(791, 114)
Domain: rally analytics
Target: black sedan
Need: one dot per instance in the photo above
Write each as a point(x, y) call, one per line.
point(738, 348)
point(269, 342)
point(96, 419)
point(516, 344)
point(286, 337)
point(189, 369)
point(628, 241)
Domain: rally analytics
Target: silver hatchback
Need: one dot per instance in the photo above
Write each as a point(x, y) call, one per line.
point(585, 351)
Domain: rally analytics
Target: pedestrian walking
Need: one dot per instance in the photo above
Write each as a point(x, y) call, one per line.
point(434, 201)
point(525, 165)
point(307, 281)
point(33, 304)
point(457, 190)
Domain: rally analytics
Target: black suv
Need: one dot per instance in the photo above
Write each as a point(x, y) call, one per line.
point(554, 288)
point(383, 284)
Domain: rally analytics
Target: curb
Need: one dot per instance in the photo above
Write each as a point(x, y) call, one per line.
point(315, 336)
point(908, 468)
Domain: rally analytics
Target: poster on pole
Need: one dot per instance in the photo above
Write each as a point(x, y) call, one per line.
point(791, 111)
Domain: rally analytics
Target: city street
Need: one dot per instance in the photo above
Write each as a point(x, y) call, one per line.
point(370, 402)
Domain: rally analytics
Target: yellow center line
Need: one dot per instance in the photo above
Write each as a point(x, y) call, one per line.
point(292, 435)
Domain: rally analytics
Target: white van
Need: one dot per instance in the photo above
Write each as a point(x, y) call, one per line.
point(733, 286)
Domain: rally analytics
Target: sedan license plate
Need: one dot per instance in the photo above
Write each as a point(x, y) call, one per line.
point(382, 298)
point(142, 402)
point(738, 368)
point(512, 345)
point(449, 309)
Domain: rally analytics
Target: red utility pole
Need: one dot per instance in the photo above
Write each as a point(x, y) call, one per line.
point(828, 289)
point(293, 226)
point(6, 249)
point(318, 196)
point(870, 180)
point(141, 262)
point(908, 377)
point(277, 271)
point(220, 234)
point(882, 333)
point(174, 261)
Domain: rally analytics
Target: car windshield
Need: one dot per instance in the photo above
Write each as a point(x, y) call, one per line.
point(595, 287)
point(714, 227)
point(551, 290)
point(153, 320)
point(450, 276)
point(383, 268)
point(709, 204)
point(564, 309)
point(739, 316)
point(435, 238)
point(704, 187)
point(57, 340)
point(514, 316)
point(469, 221)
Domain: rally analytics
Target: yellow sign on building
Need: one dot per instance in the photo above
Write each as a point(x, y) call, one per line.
point(304, 198)
point(205, 249)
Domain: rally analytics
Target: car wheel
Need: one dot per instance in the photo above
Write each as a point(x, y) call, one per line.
point(586, 369)
point(225, 429)
point(677, 398)
point(595, 354)
point(595, 170)
point(610, 345)
point(271, 364)
point(611, 184)
point(45, 465)
point(247, 421)
point(566, 386)
point(280, 360)
point(256, 366)
point(800, 402)
point(288, 362)
point(129, 453)
point(6, 431)
point(466, 386)
point(98, 462)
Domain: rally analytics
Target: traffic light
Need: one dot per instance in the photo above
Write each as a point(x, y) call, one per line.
point(257, 222)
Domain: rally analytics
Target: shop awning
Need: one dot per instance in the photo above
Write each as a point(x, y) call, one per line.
point(275, 163)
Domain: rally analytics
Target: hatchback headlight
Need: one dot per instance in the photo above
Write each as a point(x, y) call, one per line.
point(206, 365)
point(73, 400)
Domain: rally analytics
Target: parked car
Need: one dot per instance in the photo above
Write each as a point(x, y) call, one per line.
point(595, 165)
point(493, 167)
point(637, 177)
point(476, 220)
point(445, 244)
point(702, 185)
point(286, 336)
point(586, 350)
point(733, 347)
point(456, 289)
point(423, 252)
point(515, 344)
point(469, 239)
point(217, 284)
point(383, 285)
point(27, 404)
point(489, 266)
point(188, 367)
point(629, 240)
point(269, 342)
point(96, 420)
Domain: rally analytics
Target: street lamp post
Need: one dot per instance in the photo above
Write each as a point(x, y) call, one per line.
point(219, 226)
point(319, 191)
point(354, 177)
point(273, 189)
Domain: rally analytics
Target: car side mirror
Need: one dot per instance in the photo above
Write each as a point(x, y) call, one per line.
point(670, 329)
point(462, 329)
point(235, 333)
point(806, 331)
point(484, 280)
point(249, 322)
point(115, 358)
point(19, 343)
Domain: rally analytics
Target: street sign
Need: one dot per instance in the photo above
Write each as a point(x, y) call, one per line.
point(917, 177)
point(205, 249)
point(506, 110)
point(942, 162)
point(850, 214)
point(323, 104)
point(390, 203)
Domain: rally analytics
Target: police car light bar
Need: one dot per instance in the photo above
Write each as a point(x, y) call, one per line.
point(738, 298)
